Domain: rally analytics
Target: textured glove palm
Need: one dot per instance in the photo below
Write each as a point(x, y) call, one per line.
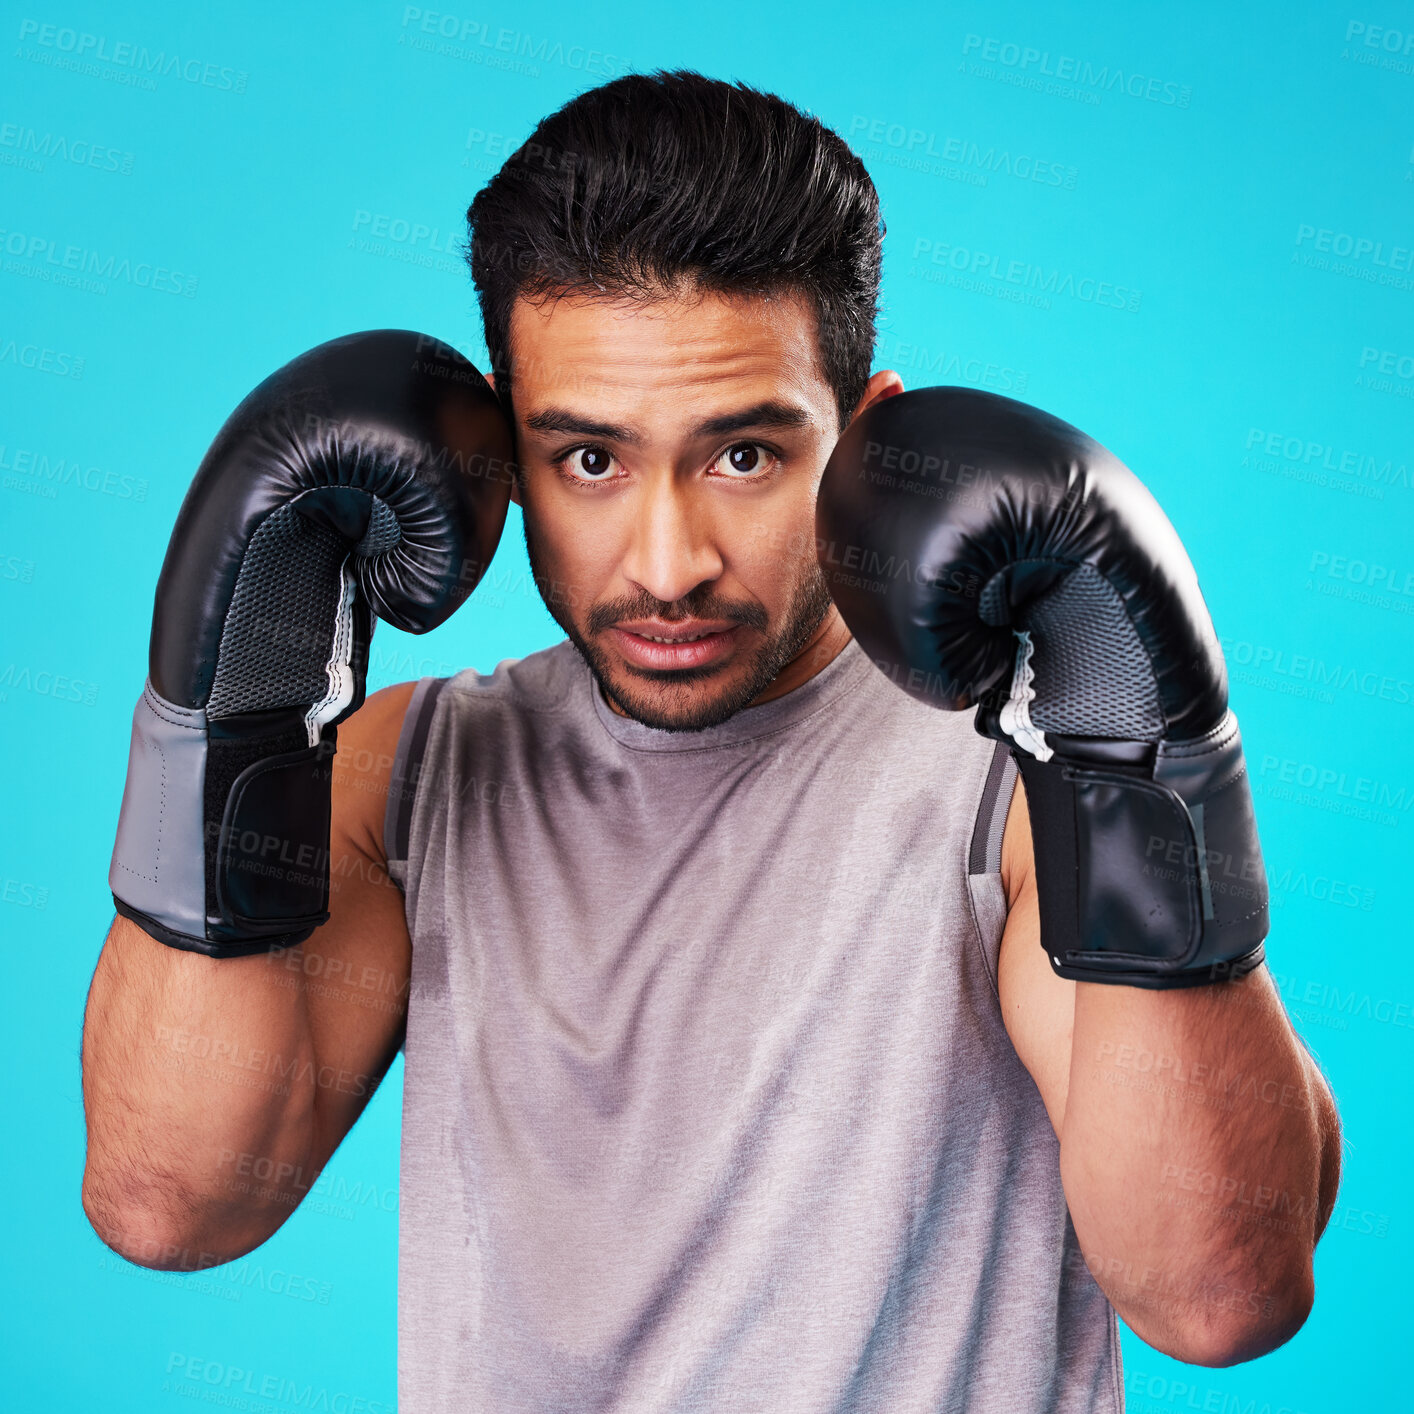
point(370, 475)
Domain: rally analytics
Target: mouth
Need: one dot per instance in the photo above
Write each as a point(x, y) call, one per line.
point(655, 645)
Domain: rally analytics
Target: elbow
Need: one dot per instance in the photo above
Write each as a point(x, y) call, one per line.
point(1247, 1324)
point(164, 1234)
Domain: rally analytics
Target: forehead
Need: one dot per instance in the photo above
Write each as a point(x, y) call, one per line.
point(687, 348)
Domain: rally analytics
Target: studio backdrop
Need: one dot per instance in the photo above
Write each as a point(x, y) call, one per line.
point(1188, 230)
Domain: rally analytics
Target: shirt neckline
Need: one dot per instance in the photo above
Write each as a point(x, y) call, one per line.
point(841, 674)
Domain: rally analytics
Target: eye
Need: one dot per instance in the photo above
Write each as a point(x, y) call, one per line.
point(744, 460)
point(589, 464)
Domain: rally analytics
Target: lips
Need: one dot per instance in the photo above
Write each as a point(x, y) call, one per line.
point(651, 644)
point(654, 638)
point(660, 631)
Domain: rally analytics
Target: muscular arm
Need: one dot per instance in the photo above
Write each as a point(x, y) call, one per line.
point(1200, 1150)
point(215, 1090)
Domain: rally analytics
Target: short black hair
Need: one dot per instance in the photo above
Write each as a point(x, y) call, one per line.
point(653, 181)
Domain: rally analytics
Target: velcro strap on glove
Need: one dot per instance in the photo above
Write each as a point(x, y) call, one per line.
point(223, 838)
point(1148, 871)
point(271, 869)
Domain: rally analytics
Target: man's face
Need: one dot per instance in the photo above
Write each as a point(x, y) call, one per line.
point(672, 451)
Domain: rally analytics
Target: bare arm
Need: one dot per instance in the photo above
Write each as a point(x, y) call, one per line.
point(1200, 1147)
point(215, 1090)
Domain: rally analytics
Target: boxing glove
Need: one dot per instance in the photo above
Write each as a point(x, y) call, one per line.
point(371, 475)
point(988, 555)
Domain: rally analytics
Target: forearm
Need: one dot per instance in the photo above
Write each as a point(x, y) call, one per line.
point(189, 1064)
point(1198, 1155)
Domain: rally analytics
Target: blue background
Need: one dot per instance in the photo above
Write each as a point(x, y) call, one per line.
point(1116, 215)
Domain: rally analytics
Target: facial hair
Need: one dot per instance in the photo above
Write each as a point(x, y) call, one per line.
point(688, 711)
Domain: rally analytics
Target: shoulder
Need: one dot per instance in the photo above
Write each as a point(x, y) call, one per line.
point(368, 740)
point(541, 681)
point(1038, 1008)
point(525, 705)
point(363, 767)
point(1018, 861)
point(374, 728)
point(876, 700)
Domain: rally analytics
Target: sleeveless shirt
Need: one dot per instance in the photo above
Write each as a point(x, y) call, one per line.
point(708, 1104)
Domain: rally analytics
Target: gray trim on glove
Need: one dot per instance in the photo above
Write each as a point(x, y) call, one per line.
point(159, 862)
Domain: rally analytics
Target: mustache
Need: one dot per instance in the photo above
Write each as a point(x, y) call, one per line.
point(605, 616)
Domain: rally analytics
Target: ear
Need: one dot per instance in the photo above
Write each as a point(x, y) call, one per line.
point(884, 384)
point(515, 480)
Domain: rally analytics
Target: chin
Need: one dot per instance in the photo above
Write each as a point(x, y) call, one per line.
point(680, 702)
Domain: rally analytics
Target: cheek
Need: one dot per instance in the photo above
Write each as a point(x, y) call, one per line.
point(775, 543)
point(580, 547)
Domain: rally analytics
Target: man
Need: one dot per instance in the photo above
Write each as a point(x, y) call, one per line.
point(736, 1074)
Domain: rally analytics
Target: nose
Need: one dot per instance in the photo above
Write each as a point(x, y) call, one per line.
point(672, 546)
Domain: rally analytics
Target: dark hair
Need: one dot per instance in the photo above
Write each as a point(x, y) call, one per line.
point(655, 180)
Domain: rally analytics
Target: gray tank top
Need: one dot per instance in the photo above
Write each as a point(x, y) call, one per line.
point(708, 1104)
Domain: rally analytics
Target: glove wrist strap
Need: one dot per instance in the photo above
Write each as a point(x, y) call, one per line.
point(1148, 877)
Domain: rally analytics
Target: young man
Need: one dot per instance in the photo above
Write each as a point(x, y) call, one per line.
point(736, 1075)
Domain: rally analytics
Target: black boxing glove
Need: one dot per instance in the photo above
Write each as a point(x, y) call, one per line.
point(370, 475)
point(987, 554)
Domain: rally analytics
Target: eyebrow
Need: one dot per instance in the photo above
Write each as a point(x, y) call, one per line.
point(770, 413)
